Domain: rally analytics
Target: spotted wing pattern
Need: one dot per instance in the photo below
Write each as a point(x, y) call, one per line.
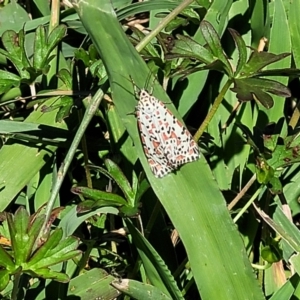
point(167, 143)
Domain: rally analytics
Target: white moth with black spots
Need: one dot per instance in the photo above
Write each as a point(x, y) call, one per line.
point(167, 143)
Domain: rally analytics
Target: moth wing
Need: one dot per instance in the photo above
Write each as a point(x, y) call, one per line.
point(153, 147)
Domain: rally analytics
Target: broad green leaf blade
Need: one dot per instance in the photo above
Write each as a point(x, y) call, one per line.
point(13, 17)
point(7, 127)
point(191, 197)
point(140, 291)
point(288, 289)
point(93, 284)
point(30, 158)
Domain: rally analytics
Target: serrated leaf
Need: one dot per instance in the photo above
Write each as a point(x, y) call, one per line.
point(214, 43)
point(40, 47)
point(279, 72)
point(55, 36)
point(242, 50)
point(258, 89)
point(259, 60)
point(186, 47)
point(285, 155)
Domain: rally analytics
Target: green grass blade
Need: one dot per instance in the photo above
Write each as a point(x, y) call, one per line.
point(20, 162)
point(191, 196)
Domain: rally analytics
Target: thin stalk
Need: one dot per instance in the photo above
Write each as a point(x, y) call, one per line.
point(213, 110)
point(89, 113)
point(252, 199)
point(242, 192)
point(54, 22)
point(85, 155)
point(144, 42)
point(16, 283)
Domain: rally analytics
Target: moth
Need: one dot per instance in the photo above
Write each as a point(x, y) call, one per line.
point(167, 143)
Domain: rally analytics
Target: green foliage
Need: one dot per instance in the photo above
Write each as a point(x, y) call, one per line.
point(31, 255)
point(83, 214)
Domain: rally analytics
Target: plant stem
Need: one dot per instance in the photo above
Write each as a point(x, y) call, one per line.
point(241, 193)
point(213, 110)
point(89, 113)
point(256, 194)
point(144, 42)
point(16, 283)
